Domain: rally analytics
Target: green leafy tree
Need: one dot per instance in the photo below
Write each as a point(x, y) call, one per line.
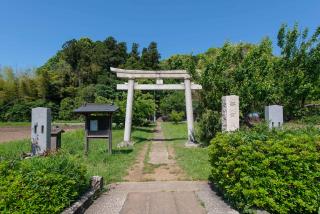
point(172, 102)
point(245, 70)
point(67, 106)
point(298, 67)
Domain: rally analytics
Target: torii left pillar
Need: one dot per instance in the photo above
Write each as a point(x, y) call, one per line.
point(128, 121)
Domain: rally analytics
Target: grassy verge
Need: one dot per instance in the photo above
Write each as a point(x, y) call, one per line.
point(58, 122)
point(14, 124)
point(112, 167)
point(304, 122)
point(194, 161)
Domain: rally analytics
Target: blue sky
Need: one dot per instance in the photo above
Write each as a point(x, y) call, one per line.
point(32, 31)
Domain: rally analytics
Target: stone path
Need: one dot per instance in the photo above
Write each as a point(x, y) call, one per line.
point(159, 153)
point(158, 190)
point(158, 164)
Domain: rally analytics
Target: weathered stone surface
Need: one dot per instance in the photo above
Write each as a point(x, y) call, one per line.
point(162, 202)
point(160, 197)
point(96, 183)
point(274, 116)
point(230, 113)
point(143, 74)
point(40, 130)
point(128, 120)
point(148, 87)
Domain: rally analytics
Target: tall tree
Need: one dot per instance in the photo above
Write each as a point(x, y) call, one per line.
point(133, 62)
point(150, 57)
point(71, 54)
point(298, 67)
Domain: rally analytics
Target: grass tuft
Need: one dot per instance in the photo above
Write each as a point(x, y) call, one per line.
point(194, 161)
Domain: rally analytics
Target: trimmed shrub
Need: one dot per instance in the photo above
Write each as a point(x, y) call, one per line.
point(276, 171)
point(40, 185)
point(176, 117)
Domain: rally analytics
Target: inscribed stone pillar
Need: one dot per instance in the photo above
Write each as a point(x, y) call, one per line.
point(128, 121)
point(189, 109)
point(40, 130)
point(274, 116)
point(230, 113)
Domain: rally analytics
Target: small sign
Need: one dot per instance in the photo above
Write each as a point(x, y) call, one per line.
point(93, 125)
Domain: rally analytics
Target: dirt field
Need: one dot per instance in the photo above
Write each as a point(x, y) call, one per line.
point(22, 132)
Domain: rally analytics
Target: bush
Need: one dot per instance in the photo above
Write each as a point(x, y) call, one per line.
point(208, 125)
point(143, 109)
point(40, 185)
point(20, 111)
point(176, 116)
point(277, 171)
point(173, 101)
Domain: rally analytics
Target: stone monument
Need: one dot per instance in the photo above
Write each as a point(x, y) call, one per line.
point(40, 130)
point(230, 113)
point(274, 116)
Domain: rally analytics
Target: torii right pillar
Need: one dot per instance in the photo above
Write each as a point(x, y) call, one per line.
point(189, 112)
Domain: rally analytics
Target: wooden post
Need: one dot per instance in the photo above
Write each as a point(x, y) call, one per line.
point(110, 134)
point(86, 146)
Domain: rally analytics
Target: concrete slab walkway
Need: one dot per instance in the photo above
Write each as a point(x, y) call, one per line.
point(167, 197)
point(164, 194)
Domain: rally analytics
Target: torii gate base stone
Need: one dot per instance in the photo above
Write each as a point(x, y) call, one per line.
point(131, 75)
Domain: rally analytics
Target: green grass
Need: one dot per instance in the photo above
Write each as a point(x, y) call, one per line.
point(13, 150)
point(98, 162)
point(194, 161)
point(14, 124)
point(57, 122)
point(306, 121)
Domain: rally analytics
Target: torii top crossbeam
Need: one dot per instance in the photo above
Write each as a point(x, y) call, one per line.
point(143, 74)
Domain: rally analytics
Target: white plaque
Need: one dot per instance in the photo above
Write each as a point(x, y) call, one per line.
point(274, 116)
point(94, 125)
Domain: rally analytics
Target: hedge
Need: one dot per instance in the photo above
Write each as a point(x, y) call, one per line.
point(41, 184)
point(276, 171)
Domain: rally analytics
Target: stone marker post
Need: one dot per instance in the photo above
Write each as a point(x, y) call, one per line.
point(273, 114)
point(230, 113)
point(40, 130)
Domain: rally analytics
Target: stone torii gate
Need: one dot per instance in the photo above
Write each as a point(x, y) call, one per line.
point(131, 75)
